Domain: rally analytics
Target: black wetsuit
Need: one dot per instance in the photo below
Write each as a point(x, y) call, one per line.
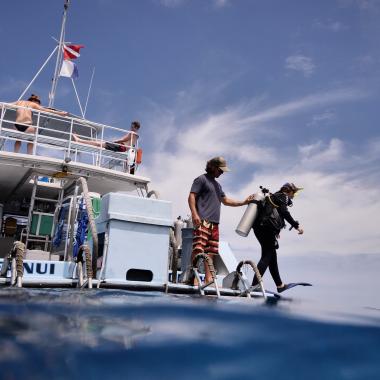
point(267, 238)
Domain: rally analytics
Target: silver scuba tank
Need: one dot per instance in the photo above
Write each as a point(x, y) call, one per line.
point(178, 225)
point(249, 216)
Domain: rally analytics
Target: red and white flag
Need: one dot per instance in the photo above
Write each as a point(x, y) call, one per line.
point(71, 51)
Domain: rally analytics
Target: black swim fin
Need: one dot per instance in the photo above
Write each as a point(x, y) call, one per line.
point(292, 285)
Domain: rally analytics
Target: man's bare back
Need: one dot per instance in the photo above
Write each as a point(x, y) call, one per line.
point(24, 115)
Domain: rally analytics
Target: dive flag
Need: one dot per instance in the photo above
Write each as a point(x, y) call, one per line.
point(69, 70)
point(71, 51)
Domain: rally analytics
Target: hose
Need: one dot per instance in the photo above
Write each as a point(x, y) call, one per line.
point(153, 192)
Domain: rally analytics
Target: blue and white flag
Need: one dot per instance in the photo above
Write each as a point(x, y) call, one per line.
point(69, 70)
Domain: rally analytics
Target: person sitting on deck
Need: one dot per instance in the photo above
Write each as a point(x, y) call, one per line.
point(24, 120)
point(121, 145)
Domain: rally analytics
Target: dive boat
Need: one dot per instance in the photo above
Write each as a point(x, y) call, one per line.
point(78, 215)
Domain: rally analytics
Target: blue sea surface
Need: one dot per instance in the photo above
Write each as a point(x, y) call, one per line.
point(328, 331)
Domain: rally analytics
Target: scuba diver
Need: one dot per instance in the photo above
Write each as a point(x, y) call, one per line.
point(273, 210)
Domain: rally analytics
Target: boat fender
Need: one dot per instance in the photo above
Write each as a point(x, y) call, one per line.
point(139, 156)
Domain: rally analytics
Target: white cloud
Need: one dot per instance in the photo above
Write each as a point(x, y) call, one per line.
point(306, 103)
point(317, 156)
point(365, 5)
point(221, 3)
point(340, 215)
point(325, 117)
point(328, 208)
point(300, 63)
point(177, 3)
point(331, 25)
point(172, 3)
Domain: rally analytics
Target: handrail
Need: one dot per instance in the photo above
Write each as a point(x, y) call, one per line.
point(46, 137)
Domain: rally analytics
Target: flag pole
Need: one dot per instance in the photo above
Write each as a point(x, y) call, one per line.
point(88, 93)
point(59, 55)
point(76, 93)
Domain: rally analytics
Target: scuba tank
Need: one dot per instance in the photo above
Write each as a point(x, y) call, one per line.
point(178, 225)
point(250, 214)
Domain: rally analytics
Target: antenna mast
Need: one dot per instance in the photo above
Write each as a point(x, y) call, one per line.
point(59, 55)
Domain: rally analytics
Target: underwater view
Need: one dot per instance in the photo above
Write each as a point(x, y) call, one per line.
point(328, 331)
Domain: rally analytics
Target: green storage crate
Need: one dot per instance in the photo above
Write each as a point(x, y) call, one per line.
point(42, 224)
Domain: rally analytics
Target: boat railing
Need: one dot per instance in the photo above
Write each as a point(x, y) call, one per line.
point(57, 136)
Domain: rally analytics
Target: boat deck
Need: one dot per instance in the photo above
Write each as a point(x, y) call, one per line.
point(17, 170)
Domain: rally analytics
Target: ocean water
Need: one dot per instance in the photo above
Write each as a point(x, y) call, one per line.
point(328, 331)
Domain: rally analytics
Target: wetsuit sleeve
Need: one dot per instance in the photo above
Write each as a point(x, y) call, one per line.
point(197, 185)
point(281, 199)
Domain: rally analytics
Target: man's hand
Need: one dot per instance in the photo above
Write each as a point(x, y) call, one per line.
point(249, 199)
point(194, 212)
point(196, 220)
point(300, 231)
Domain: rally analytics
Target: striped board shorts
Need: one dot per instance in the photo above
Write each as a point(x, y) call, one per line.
point(206, 238)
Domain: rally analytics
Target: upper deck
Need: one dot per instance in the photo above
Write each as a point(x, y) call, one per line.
point(56, 154)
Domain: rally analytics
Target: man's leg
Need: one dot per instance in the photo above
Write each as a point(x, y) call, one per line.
point(211, 250)
point(200, 239)
point(17, 146)
point(99, 144)
point(29, 146)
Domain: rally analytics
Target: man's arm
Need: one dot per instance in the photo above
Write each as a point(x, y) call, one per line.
point(193, 208)
point(40, 108)
point(232, 203)
point(124, 139)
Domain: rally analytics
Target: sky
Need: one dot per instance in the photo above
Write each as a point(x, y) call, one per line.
point(284, 90)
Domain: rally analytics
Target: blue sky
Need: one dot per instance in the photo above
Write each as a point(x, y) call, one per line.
point(285, 90)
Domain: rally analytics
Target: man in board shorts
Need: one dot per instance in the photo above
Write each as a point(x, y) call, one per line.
point(205, 198)
point(121, 145)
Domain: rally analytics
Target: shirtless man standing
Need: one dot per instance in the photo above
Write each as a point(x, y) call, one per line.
point(24, 119)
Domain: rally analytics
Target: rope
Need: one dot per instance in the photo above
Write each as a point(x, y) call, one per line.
point(208, 262)
point(238, 275)
point(84, 250)
point(87, 253)
point(254, 267)
point(174, 258)
point(19, 249)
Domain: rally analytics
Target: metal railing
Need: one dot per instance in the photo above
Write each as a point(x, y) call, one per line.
point(53, 137)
